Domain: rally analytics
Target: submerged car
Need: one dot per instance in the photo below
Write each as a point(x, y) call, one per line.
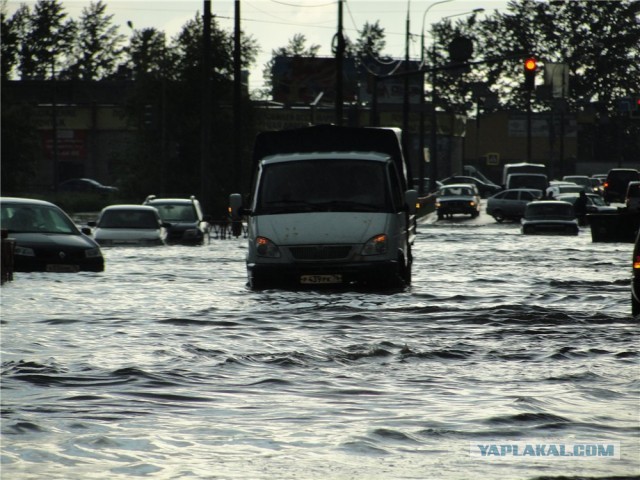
point(129, 225)
point(461, 198)
point(188, 225)
point(47, 240)
point(510, 204)
point(549, 217)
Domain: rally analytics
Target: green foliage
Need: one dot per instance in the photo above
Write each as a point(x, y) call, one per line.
point(599, 41)
point(96, 47)
point(46, 39)
point(370, 41)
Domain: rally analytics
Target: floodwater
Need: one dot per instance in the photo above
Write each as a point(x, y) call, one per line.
point(166, 366)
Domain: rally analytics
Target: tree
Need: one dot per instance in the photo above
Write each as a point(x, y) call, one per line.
point(370, 42)
point(147, 56)
point(9, 39)
point(97, 45)
point(46, 41)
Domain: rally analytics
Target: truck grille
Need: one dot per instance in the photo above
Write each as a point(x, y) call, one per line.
point(320, 252)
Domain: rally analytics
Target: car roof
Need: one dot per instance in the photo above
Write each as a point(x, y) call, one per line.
point(549, 202)
point(292, 157)
point(26, 201)
point(160, 201)
point(130, 207)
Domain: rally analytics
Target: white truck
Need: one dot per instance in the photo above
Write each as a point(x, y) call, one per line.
point(329, 205)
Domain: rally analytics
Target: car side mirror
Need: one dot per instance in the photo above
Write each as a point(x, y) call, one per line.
point(86, 230)
point(92, 223)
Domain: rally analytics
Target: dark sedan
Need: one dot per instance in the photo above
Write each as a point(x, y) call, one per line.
point(485, 189)
point(86, 185)
point(46, 238)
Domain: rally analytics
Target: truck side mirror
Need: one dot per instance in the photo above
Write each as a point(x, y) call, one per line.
point(411, 200)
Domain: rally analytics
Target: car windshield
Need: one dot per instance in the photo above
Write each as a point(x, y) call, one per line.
point(455, 191)
point(128, 219)
point(35, 219)
point(323, 185)
point(551, 211)
point(176, 212)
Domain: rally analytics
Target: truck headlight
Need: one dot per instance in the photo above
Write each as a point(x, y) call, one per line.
point(377, 245)
point(266, 248)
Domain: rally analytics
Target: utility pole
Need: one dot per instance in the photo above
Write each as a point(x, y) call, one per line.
point(405, 109)
point(205, 132)
point(237, 102)
point(340, 47)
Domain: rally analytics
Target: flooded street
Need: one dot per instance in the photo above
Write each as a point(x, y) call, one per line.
point(166, 366)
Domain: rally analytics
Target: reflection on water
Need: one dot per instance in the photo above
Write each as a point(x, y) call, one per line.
point(166, 366)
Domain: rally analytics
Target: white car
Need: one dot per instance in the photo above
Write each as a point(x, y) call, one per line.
point(457, 198)
point(129, 225)
point(557, 187)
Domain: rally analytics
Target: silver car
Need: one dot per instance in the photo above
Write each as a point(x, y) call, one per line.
point(129, 225)
point(510, 204)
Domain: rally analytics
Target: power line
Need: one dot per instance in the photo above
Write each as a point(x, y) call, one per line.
point(300, 5)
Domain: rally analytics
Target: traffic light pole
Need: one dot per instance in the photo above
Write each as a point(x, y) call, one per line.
point(528, 126)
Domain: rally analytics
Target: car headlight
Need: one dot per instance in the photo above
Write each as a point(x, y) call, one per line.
point(266, 248)
point(377, 245)
point(93, 253)
point(24, 251)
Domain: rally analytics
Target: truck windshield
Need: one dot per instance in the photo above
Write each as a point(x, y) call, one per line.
point(335, 185)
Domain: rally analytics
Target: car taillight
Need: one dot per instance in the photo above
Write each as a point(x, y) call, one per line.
point(636, 263)
point(605, 184)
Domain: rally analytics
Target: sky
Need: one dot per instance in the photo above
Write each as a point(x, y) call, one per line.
point(274, 22)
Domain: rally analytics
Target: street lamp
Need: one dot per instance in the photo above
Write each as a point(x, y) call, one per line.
point(433, 152)
point(421, 135)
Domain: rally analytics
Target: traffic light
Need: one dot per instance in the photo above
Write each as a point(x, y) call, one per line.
point(530, 67)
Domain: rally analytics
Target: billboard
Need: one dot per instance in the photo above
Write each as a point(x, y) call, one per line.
point(299, 80)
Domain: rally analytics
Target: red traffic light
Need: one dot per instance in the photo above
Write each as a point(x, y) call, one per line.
point(530, 64)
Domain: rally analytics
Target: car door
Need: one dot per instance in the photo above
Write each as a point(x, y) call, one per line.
point(510, 204)
point(524, 197)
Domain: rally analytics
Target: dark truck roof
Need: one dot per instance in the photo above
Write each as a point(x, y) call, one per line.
point(333, 138)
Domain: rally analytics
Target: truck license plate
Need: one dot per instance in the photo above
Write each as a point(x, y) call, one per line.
point(318, 279)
